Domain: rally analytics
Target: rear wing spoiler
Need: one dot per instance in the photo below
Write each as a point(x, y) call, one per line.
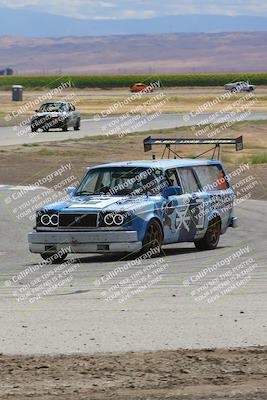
point(149, 142)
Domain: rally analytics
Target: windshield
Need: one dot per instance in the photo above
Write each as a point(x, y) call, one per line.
point(122, 181)
point(52, 107)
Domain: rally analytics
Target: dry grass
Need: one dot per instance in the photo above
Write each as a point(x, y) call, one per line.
point(81, 153)
point(91, 104)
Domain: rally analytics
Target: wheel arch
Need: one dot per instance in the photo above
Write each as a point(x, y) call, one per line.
point(155, 218)
point(216, 218)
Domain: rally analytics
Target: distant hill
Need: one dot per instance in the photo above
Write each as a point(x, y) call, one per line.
point(25, 22)
point(179, 52)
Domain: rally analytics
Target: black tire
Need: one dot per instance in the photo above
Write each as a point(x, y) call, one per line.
point(51, 257)
point(77, 126)
point(234, 90)
point(65, 127)
point(33, 129)
point(211, 239)
point(153, 237)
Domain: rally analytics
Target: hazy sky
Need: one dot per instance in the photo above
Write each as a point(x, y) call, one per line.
point(140, 8)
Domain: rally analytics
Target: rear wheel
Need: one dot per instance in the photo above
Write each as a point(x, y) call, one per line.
point(153, 238)
point(77, 125)
point(65, 127)
point(211, 239)
point(53, 257)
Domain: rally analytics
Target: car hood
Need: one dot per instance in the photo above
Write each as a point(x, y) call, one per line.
point(104, 203)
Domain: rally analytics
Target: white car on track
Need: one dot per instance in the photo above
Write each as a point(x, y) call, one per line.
point(241, 86)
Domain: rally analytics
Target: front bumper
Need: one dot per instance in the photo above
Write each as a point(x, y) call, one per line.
point(234, 222)
point(84, 242)
point(48, 123)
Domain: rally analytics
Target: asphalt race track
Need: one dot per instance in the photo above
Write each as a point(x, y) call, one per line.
point(76, 318)
point(114, 126)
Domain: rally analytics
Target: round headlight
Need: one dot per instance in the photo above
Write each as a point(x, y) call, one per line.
point(118, 219)
point(109, 219)
point(45, 219)
point(54, 219)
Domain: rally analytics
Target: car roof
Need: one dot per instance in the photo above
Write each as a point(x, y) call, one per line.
point(56, 102)
point(162, 164)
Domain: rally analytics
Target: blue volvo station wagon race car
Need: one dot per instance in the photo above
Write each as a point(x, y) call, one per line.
point(132, 206)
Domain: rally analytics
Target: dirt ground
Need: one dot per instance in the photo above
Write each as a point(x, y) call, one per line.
point(26, 164)
point(181, 374)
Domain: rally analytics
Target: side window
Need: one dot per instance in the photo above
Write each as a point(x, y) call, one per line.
point(188, 180)
point(211, 177)
point(172, 177)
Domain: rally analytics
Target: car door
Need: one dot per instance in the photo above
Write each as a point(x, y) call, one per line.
point(77, 115)
point(71, 115)
point(176, 217)
point(197, 204)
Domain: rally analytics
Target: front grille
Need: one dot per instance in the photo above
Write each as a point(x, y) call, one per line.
point(41, 120)
point(45, 121)
point(77, 220)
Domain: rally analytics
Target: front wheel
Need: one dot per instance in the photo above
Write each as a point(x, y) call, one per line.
point(211, 239)
point(153, 238)
point(54, 258)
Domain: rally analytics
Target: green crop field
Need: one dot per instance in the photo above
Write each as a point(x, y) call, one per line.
point(117, 81)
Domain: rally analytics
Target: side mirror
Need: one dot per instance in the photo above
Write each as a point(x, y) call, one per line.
point(71, 190)
point(173, 191)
